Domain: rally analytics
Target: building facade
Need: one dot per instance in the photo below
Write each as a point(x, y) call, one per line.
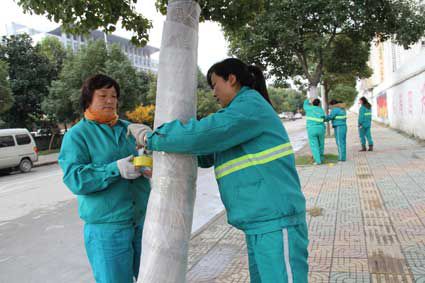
point(397, 87)
point(140, 57)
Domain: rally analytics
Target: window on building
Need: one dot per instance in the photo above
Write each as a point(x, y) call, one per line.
point(6, 141)
point(23, 139)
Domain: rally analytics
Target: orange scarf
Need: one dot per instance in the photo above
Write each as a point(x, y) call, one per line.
point(101, 117)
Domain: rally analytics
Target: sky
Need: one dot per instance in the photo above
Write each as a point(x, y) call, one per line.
point(211, 49)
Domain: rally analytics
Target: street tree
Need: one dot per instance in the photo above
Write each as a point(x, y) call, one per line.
point(345, 62)
point(30, 75)
point(53, 49)
point(286, 99)
point(292, 38)
point(6, 98)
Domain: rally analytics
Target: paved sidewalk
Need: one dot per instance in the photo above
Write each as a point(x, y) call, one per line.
point(366, 218)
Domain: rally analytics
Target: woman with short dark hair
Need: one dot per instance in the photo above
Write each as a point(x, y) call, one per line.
point(338, 116)
point(112, 194)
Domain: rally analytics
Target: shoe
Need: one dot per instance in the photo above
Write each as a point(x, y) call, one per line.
point(363, 148)
point(370, 148)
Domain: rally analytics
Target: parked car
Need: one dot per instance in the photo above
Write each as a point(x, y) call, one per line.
point(298, 116)
point(17, 150)
point(283, 115)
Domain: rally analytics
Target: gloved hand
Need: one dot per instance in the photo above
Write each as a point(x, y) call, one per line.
point(127, 169)
point(138, 131)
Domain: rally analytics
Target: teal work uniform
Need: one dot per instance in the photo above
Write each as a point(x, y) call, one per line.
point(338, 116)
point(112, 208)
point(364, 123)
point(257, 178)
point(315, 117)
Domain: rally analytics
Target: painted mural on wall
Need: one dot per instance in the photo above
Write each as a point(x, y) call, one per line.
point(407, 103)
point(382, 105)
point(402, 105)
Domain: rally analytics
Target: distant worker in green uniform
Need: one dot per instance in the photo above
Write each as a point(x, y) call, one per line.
point(338, 116)
point(364, 123)
point(315, 117)
point(254, 167)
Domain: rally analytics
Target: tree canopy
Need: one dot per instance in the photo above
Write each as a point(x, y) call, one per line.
point(53, 49)
point(290, 38)
point(81, 16)
point(30, 74)
point(6, 98)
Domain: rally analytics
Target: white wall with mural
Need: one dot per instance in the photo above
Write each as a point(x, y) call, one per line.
point(400, 100)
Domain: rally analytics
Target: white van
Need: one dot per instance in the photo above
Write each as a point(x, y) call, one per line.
point(17, 150)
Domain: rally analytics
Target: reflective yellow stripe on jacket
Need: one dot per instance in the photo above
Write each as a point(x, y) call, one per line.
point(249, 160)
point(368, 114)
point(315, 119)
point(341, 117)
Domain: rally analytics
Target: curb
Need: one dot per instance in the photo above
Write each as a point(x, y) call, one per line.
point(206, 225)
point(44, 163)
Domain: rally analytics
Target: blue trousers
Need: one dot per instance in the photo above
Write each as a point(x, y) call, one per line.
point(364, 133)
point(316, 139)
point(113, 251)
point(341, 141)
point(279, 256)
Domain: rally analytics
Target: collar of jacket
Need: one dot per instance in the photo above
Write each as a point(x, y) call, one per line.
point(242, 90)
point(119, 122)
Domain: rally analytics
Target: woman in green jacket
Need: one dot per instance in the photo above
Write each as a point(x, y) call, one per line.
point(316, 129)
point(364, 123)
point(254, 167)
point(112, 194)
point(338, 116)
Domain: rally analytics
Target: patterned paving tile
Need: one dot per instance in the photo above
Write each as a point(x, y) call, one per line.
point(410, 234)
point(396, 278)
point(315, 251)
point(377, 221)
point(352, 251)
point(400, 220)
point(346, 277)
point(350, 265)
point(318, 277)
point(419, 278)
point(380, 235)
point(320, 264)
point(348, 236)
point(354, 227)
point(346, 219)
point(387, 259)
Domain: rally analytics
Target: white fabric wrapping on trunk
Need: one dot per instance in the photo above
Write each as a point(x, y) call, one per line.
point(169, 215)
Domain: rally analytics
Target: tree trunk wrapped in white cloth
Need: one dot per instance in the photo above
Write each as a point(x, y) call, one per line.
point(169, 215)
